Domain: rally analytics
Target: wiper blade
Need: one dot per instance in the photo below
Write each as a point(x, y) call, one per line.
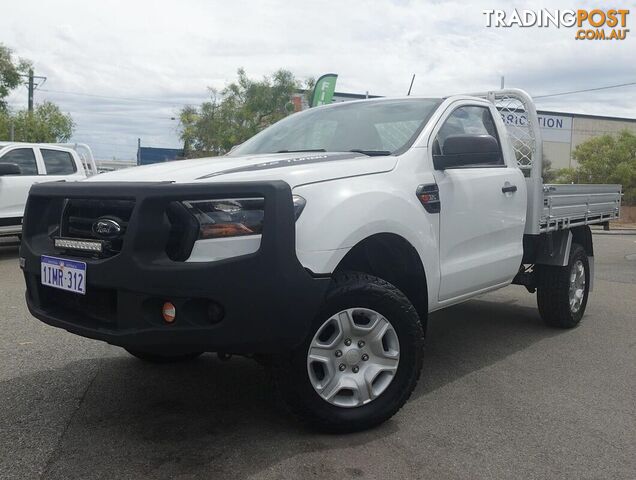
point(302, 150)
point(372, 153)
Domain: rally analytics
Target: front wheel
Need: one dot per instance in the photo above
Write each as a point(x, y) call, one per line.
point(361, 360)
point(562, 291)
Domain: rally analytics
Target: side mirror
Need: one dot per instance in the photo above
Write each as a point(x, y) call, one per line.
point(9, 169)
point(468, 150)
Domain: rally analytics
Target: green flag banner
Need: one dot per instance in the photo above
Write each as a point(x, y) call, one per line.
point(323, 91)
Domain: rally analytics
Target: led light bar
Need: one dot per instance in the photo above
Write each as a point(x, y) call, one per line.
point(83, 245)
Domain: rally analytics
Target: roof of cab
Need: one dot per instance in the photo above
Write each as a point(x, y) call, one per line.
point(29, 144)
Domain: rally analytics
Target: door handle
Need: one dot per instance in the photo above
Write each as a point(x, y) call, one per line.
point(509, 189)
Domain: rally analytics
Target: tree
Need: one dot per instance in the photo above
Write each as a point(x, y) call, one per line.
point(46, 124)
point(310, 83)
point(237, 113)
point(606, 159)
point(11, 70)
point(548, 174)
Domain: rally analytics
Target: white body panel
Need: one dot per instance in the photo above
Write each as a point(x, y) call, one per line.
point(13, 194)
point(213, 249)
point(253, 168)
point(480, 229)
point(342, 213)
point(14, 189)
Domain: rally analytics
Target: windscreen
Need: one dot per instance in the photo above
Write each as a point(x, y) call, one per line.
point(373, 127)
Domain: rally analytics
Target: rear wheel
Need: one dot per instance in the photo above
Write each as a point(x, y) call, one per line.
point(562, 291)
point(361, 360)
point(163, 358)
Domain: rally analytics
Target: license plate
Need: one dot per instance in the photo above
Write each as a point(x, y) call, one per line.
point(68, 275)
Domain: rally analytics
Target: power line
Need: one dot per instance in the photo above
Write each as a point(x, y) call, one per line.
point(119, 145)
point(125, 113)
point(110, 97)
point(585, 90)
point(163, 102)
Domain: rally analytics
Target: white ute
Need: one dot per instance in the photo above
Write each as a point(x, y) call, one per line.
point(320, 244)
point(25, 164)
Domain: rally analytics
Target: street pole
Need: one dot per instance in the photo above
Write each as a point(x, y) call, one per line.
point(12, 132)
point(31, 90)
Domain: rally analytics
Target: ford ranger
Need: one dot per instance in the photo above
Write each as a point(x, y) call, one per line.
point(320, 244)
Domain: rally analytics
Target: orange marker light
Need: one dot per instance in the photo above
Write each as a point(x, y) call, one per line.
point(169, 312)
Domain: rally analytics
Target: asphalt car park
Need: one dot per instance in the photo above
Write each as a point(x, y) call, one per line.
point(501, 396)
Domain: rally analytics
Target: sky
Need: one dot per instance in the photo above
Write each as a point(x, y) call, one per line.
point(124, 69)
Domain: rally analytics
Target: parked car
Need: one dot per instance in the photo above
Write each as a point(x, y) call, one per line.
point(320, 245)
point(25, 164)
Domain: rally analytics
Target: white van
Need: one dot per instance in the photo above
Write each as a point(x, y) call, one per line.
point(24, 164)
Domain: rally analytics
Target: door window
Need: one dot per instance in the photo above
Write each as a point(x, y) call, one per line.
point(469, 120)
point(58, 162)
point(24, 158)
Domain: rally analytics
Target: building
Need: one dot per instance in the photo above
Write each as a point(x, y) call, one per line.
point(561, 131)
point(148, 155)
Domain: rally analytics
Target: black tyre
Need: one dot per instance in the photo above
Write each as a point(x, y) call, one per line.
point(562, 291)
point(163, 358)
point(361, 360)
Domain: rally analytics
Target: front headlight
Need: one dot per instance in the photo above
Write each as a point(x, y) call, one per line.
point(233, 217)
point(230, 217)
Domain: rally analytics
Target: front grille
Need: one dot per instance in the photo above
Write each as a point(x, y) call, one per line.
point(80, 215)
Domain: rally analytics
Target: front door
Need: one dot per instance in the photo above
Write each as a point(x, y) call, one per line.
point(59, 165)
point(481, 225)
